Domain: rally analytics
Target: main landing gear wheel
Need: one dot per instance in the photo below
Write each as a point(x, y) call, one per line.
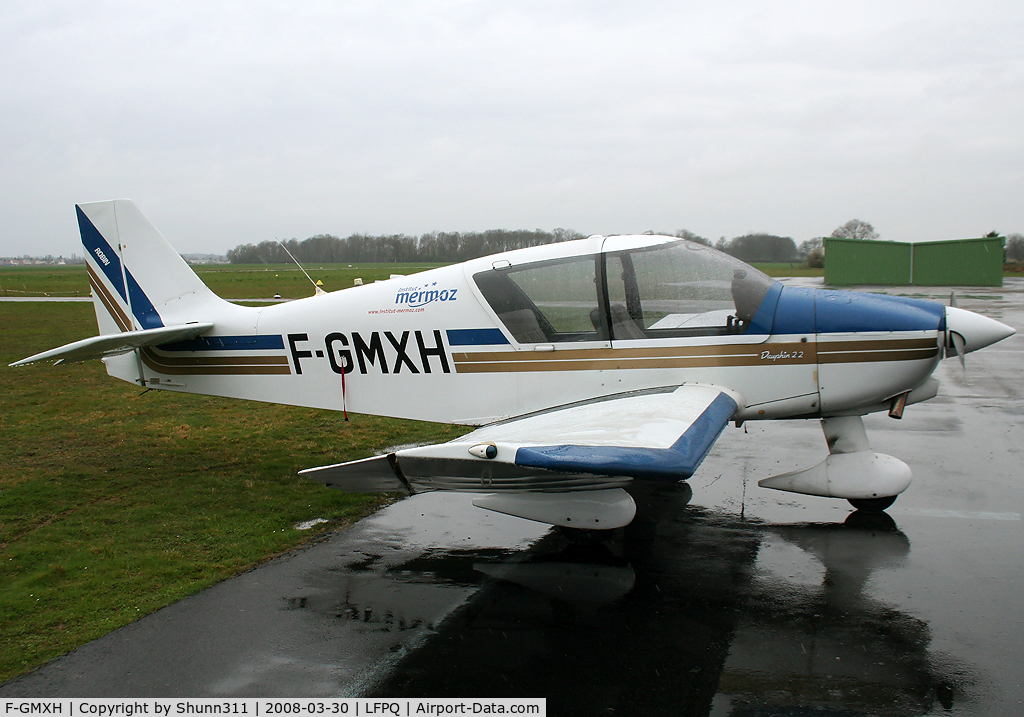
point(872, 505)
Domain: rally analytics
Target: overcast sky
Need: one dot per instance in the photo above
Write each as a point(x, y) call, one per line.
point(236, 122)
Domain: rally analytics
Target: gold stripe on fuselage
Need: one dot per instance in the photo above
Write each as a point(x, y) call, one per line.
point(877, 350)
point(785, 353)
point(215, 365)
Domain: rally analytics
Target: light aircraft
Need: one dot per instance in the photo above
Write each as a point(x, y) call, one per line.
point(588, 364)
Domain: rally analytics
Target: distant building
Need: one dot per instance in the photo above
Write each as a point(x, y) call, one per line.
point(961, 262)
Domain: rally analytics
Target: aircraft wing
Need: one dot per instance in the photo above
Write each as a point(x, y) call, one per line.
point(116, 344)
point(660, 435)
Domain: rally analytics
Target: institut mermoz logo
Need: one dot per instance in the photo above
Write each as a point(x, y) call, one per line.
point(415, 297)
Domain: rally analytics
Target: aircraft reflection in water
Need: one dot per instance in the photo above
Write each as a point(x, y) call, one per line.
point(691, 612)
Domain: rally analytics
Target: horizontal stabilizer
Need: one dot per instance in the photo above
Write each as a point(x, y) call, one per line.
point(99, 347)
point(369, 475)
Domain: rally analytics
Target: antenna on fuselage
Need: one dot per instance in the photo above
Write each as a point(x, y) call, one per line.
point(315, 286)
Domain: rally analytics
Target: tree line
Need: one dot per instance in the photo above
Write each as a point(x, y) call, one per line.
point(1015, 248)
point(450, 247)
point(433, 247)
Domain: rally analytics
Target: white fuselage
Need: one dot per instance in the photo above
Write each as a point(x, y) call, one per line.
point(430, 347)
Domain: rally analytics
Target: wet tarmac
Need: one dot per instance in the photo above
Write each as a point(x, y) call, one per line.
point(721, 598)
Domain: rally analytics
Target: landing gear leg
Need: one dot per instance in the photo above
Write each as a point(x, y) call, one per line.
point(869, 480)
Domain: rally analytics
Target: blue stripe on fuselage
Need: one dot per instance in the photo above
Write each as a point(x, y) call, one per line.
point(227, 343)
point(476, 337)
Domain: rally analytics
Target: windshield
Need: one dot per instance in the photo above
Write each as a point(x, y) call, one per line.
point(677, 289)
point(681, 289)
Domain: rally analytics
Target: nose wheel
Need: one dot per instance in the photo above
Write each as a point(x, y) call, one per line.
point(872, 505)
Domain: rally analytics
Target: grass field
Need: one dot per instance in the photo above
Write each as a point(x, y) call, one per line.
point(115, 502)
point(262, 281)
point(786, 269)
point(232, 281)
point(255, 281)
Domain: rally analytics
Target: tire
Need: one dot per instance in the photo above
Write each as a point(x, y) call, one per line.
point(872, 505)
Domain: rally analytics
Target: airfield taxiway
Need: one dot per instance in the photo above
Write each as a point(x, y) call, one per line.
point(721, 598)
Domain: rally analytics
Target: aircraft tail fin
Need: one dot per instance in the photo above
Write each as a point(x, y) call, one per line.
point(138, 280)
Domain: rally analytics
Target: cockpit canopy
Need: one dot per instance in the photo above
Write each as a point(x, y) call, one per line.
point(637, 288)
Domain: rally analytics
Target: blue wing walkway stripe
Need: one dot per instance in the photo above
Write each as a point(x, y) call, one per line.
point(675, 463)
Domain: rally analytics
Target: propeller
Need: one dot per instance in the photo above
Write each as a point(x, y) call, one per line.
point(967, 331)
point(959, 348)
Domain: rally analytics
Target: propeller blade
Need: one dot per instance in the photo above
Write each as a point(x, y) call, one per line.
point(959, 346)
point(952, 299)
